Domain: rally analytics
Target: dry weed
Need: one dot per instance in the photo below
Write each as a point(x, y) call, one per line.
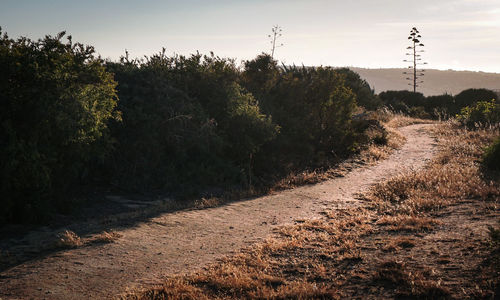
point(68, 239)
point(408, 283)
point(454, 174)
point(400, 242)
point(104, 237)
point(408, 223)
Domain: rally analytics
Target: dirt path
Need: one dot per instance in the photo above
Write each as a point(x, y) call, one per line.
point(183, 241)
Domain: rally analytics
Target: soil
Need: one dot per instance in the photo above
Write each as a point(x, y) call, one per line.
point(180, 242)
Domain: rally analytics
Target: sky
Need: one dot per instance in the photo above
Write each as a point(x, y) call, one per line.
point(457, 34)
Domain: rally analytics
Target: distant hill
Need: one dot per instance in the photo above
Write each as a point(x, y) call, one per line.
point(436, 82)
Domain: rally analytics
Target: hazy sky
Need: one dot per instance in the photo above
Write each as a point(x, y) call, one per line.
point(458, 34)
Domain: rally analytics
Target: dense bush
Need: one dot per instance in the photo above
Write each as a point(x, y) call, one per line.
point(55, 101)
point(187, 124)
point(480, 114)
point(313, 107)
point(440, 106)
point(491, 158)
point(182, 125)
point(405, 102)
point(365, 95)
point(437, 107)
point(195, 122)
point(470, 96)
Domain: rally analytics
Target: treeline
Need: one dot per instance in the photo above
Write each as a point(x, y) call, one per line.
point(179, 124)
point(435, 107)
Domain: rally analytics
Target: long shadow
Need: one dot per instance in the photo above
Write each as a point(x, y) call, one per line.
point(21, 244)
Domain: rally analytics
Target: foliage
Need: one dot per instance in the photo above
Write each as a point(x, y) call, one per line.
point(187, 124)
point(407, 102)
point(313, 107)
point(491, 157)
point(470, 96)
point(439, 106)
point(365, 95)
point(219, 130)
point(184, 124)
point(482, 113)
point(260, 76)
point(56, 99)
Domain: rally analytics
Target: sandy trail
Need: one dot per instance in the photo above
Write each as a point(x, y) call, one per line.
point(183, 241)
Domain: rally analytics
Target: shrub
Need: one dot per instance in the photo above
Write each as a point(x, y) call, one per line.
point(56, 99)
point(313, 107)
point(365, 95)
point(491, 157)
point(480, 114)
point(471, 96)
point(404, 101)
point(440, 106)
point(187, 124)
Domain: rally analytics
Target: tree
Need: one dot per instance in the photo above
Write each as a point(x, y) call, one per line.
point(415, 60)
point(274, 36)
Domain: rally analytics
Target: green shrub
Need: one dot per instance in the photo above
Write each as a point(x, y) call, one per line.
point(313, 107)
point(365, 95)
point(187, 124)
point(491, 158)
point(404, 101)
point(56, 99)
point(471, 96)
point(480, 114)
point(440, 106)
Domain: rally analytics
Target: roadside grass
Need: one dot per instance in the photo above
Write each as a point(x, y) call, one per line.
point(375, 251)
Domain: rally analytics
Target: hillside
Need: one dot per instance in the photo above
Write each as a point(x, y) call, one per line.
point(436, 82)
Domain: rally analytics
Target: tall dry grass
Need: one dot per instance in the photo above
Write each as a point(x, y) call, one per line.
point(454, 174)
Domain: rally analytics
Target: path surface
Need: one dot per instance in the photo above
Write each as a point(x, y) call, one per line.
point(186, 240)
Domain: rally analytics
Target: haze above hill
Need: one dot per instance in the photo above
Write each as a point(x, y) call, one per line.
point(436, 82)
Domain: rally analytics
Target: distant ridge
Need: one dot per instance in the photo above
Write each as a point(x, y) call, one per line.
point(436, 82)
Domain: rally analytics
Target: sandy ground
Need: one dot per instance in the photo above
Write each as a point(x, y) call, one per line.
point(183, 241)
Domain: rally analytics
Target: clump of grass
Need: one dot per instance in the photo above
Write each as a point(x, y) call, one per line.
point(68, 239)
point(105, 237)
point(400, 242)
point(409, 284)
point(408, 223)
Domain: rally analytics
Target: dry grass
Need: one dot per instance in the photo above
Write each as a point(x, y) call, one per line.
point(395, 120)
point(454, 174)
point(400, 242)
point(104, 237)
point(408, 283)
point(299, 264)
point(408, 223)
point(68, 239)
